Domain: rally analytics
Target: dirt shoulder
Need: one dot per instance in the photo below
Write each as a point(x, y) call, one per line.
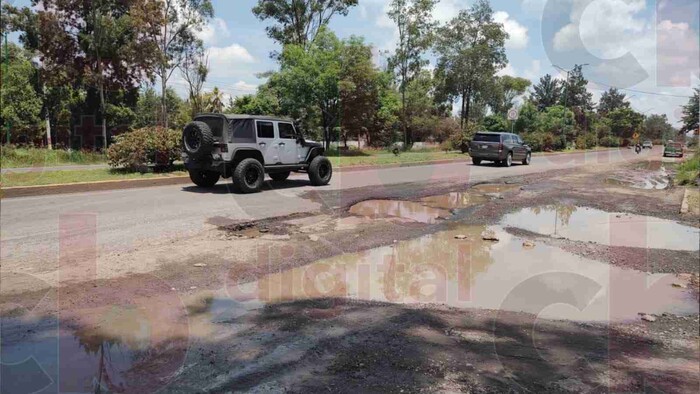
point(340, 345)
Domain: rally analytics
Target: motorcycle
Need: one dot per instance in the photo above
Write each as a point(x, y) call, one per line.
point(638, 148)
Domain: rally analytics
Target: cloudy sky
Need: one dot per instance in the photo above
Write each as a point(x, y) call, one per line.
point(647, 46)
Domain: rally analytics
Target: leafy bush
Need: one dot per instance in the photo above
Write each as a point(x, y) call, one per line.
point(610, 142)
point(689, 171)
point(540, 141)
point(139, 148)
point(586, 141)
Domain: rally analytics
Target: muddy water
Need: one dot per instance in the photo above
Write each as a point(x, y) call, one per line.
point(454, 200)
point(494, 188)
point(615, 229)
point(648, 180)
point(408, 210)
point(473, 273)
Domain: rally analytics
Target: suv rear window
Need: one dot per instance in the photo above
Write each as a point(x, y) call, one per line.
point(215, 124)
point(487, 138)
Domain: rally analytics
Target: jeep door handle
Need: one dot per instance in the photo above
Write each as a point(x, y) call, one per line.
point(282, 144)
point(262, 144)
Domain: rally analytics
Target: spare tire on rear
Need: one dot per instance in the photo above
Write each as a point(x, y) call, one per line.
point(197, 139)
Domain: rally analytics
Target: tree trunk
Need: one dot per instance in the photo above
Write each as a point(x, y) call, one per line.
point(467, 105)
point(163, 101)
point(102, 107)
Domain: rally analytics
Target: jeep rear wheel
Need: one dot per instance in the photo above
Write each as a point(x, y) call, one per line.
point(320, 171)
point(249, 176)
point(280, 176)
point(203, 178)
point(197, 139)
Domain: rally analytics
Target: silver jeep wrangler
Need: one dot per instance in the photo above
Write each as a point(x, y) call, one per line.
point(246, 148)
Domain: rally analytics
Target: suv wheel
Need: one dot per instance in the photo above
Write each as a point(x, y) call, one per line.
point(528, 159)
point(476, 162)
point(280, 176)
point(197, 139)
point(203, 178)
point(320, 171)
point(508, 161)
point(249, 176)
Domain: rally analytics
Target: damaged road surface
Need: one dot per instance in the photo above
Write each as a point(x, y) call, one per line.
point(551, 281)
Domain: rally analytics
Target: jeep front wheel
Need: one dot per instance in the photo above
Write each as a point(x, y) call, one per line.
point(320, 171)
point(280, 176)
point(249, 176)
point(203, 178)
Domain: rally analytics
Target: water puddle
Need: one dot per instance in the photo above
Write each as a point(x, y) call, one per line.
point(41, 355)
point(494, 188)
point(407, 210)
point(454, 200)
point(459, 269)
point(613, 229)
point(642, 179)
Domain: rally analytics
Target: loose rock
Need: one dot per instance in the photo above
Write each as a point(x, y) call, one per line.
point(489, 235)
point(461, 236)
point(528, 244)
point(200, 265)
point(649, 318)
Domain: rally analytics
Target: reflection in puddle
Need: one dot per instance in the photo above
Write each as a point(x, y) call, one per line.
point(615, 229)
point(412, 211)
point(453, 200)
point(641, 179)
point(494, 188)
point(45, 356)
point(473, 273)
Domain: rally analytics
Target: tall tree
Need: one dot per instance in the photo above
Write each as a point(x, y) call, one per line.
point(309, 80)
point(21, 105)
point(416, 27)
point(298, 22)
point(656, 127)
point(180, 20)
point(195, 70)
point(576, 93)
point(214, 100)
point(690, 114)
point(107, 44)
point(546, 93)
point(359, 89)
point(506, 89)
point(471, 50)
point(624, 122)
point(611, 100)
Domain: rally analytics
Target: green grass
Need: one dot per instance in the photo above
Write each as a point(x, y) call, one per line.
point(387, 158)
point(689, 170)
point(77, 176)
point(13, 157)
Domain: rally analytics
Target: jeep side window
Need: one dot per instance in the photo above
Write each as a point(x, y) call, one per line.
point(286, 131)
point(266, 130)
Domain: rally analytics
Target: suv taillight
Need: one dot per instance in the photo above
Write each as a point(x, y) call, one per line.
point(223, 147)
point(500, 147)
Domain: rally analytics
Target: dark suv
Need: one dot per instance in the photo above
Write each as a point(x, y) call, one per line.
point(500, 148)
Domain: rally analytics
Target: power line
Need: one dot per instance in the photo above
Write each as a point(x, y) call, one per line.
point(642, 91)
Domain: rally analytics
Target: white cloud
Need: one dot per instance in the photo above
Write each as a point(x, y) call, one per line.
point(518, 34)
point(223, 60)
point(214, 32)
point(508, 70)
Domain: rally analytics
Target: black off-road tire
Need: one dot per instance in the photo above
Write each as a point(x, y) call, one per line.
point(248, 176)
point(280, 176)
point(197, 140)
point(476, 162)
point(204, 178)
point(320, 171)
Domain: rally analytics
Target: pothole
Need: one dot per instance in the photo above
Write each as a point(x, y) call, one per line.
point(454, 200)
point(605, 228)
point(458, 268)
point(658, 179)
point(408, 210)
point(494, 188)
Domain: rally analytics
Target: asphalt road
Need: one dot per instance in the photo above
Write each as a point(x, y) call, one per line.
point(128, 218)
